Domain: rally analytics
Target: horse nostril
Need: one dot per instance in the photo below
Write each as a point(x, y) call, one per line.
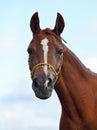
point(50, 81)
point(35, 82)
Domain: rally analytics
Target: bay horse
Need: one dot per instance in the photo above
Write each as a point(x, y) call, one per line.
point(54, 66)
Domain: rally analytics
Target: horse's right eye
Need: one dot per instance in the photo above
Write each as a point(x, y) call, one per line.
point(30, 51)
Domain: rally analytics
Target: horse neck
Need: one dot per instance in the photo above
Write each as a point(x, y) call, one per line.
point(73, 67)
point(69, 85)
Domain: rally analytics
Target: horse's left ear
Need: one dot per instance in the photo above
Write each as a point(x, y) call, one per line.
point(34, 23)
point(60, 24)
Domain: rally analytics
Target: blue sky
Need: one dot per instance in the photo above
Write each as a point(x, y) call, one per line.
point(19, 108)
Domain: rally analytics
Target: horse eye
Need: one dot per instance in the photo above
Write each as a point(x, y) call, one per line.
point(59, 51)
point(30, 51)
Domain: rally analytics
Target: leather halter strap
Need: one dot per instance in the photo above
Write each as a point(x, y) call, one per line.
point(36, 67)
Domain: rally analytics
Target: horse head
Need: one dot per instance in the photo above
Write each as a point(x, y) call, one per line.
point(45, 56)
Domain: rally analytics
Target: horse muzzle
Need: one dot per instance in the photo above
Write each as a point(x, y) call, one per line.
point(43, 86)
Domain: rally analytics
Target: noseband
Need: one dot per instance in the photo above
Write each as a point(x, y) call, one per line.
point(50, 67)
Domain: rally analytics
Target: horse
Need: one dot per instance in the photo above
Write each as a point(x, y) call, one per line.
point(54, 66)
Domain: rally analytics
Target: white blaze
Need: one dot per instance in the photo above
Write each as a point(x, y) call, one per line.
point(44, 43)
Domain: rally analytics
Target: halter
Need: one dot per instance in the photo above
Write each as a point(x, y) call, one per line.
point(36, 67)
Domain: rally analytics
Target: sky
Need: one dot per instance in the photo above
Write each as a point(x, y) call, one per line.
point(19, 108)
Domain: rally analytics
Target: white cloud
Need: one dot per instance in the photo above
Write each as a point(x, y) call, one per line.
point(91, 63)
point(30, 114)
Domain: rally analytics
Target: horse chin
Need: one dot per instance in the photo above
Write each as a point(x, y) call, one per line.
point(42, 96)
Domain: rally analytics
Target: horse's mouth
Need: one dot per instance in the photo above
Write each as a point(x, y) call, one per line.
point(41, 95)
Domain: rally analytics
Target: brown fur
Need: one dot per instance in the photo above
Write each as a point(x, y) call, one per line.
point(76, 85)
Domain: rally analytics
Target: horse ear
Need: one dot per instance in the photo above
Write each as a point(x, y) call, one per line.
point(60, 24)
point(34, 23)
